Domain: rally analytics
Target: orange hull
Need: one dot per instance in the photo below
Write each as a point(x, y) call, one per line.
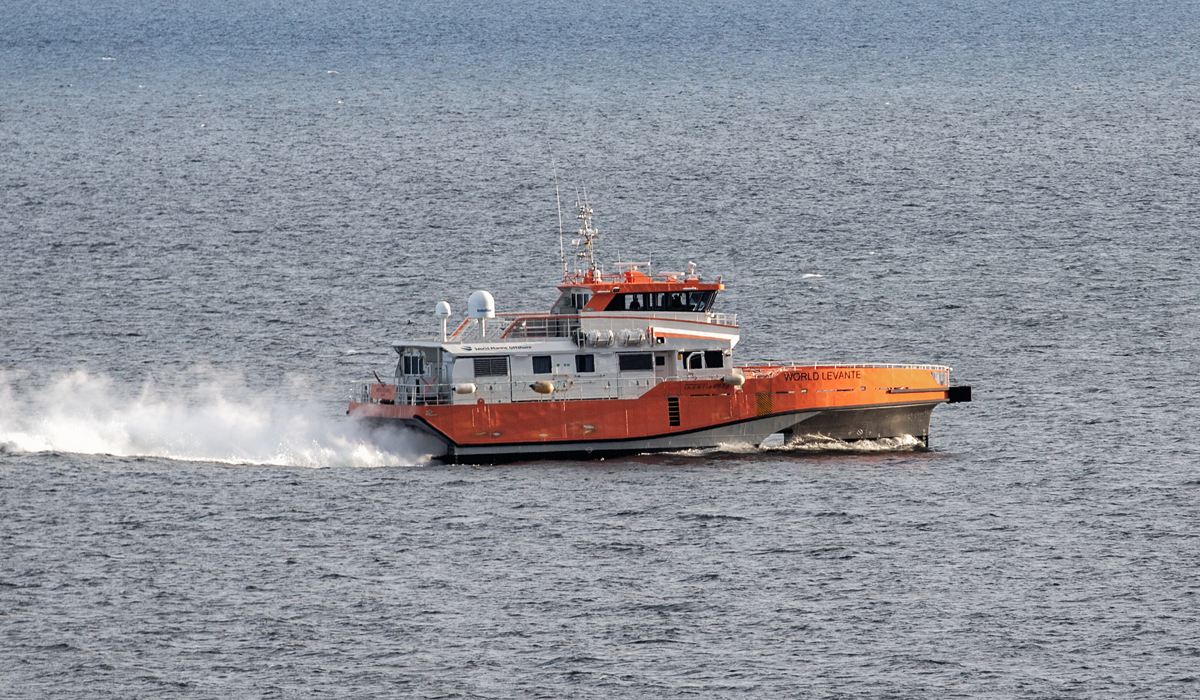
point(769, 396)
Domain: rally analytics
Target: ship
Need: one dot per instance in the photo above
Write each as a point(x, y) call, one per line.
point(630, 361)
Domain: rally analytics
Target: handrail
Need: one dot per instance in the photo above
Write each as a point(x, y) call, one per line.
point(840, 365)
point(563, 325)
point(508, 390)
point(542, 327)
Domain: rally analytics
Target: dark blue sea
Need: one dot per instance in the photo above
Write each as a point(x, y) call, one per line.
point(215, 216)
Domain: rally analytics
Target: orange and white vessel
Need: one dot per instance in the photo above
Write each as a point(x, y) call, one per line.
point(629, 362)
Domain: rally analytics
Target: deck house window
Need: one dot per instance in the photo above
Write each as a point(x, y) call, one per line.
point(541, 364)
point(491, 366)
point(631, 362)
point(413, 364)
point(714, 359)
point(585, 363)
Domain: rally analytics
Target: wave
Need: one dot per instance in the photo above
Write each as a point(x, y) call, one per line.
point(214, 419)
point(809, 444)
point(820, 443)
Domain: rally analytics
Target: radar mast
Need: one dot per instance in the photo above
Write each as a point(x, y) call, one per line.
point(584, 245)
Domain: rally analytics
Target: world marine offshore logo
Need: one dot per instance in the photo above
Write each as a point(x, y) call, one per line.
point(485, 348)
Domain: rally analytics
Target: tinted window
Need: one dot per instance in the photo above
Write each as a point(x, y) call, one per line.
point(541, 364)
point(640, 361)
point(660, 361)
point(695, 360)
point(714, 359)
point(585, 363)
point(698, 301)
point(662, 301)
point(491, 366)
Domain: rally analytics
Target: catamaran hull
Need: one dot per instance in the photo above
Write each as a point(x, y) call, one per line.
point(849, 424)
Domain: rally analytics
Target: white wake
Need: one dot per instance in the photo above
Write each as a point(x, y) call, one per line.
point(820, 443)
point(215, 419)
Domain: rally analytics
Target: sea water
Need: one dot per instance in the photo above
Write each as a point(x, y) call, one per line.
point(215, 217)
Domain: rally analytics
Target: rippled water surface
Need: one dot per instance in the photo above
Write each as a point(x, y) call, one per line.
point(214, 218)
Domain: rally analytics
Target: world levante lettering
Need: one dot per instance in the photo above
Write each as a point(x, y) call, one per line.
point(827, 376)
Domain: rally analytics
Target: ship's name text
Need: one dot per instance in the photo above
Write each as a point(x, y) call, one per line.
point(826, 376)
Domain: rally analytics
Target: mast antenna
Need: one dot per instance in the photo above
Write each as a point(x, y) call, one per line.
point(587, 234)
point(562, 256)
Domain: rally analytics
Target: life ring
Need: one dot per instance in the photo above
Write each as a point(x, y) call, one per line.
point(562, 382)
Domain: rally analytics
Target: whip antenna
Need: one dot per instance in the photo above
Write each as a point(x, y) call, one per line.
point(562, 256)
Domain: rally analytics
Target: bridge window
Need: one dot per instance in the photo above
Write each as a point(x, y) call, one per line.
point(541, 364)
point(630, 362)
point(491, 366)
point(714, 359)
point(585, 363)
point(662, 301)
point(580, 299)
point(413, 364)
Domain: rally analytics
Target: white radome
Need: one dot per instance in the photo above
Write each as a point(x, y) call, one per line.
point(481, 305)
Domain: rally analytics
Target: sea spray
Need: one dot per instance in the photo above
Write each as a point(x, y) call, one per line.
point(203, 415)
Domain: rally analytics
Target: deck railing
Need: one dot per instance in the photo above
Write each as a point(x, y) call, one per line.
point(507, 390)
point(543, 327)
point(525, 327)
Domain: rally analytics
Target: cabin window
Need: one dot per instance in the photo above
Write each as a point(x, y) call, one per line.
point(695, 360)
point(714, 359)
point(541, 364)
point(630, 362)
point(685, 301)
point(580, 299)
point(660, 361)
point(491, 366)
point(700, 301)
point(413, 364)
point(661, 301)
point(585, 363)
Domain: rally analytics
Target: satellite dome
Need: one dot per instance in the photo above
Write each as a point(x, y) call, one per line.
point(481, 305)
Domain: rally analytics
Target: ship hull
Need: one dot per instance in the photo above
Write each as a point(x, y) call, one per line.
point(804, 404)
point(847, 424)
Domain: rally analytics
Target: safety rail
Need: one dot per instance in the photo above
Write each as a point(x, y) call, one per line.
point(566, 388)
point(543, 327)
point(473, 330)
point(532, 326)
point(765, 370)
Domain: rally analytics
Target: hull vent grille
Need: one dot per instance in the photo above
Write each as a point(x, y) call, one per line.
point(673, 410)
point(765, 404)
